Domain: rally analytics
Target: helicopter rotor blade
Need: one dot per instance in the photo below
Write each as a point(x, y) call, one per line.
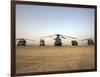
point(84, 39)
point(87, 39)
point(70, 37)
point(25, 39)
point(62, 36)
point(47, 36)
point(19, 38)
point(30, 40)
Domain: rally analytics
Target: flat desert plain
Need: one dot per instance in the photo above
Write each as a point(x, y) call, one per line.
point(45, 59)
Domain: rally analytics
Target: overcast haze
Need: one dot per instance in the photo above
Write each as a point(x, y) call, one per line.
point(33, 21)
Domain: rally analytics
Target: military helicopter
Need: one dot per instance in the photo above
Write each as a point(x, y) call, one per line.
point(58, 41)
point(42, 43)
point(89, 41)
point(74, 43)
point(22, 42)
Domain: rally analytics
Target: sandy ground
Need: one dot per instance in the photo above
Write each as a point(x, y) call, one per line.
point(44, 59)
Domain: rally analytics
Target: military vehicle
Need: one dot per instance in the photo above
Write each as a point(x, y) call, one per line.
point(89, 41)
point(22, 42)
point(58, 40)
point(42, 43)
point(74, 43)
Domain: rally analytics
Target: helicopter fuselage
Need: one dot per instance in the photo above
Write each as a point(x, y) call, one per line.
point(42, 43)
point(74, 43)
point(90, 42)
point(21, 43)
point(57, 41)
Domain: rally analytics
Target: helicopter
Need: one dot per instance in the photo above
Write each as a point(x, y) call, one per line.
point(58, 41)
point(74, 43)
point(22, 42)
point(89, 41)
point(42, 43)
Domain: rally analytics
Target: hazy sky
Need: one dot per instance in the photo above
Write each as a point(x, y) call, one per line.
point(33, 21)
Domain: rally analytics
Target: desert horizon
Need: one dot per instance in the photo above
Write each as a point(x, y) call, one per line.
point(50, 58)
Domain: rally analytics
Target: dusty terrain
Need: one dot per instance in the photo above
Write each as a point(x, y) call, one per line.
point(43, 59)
